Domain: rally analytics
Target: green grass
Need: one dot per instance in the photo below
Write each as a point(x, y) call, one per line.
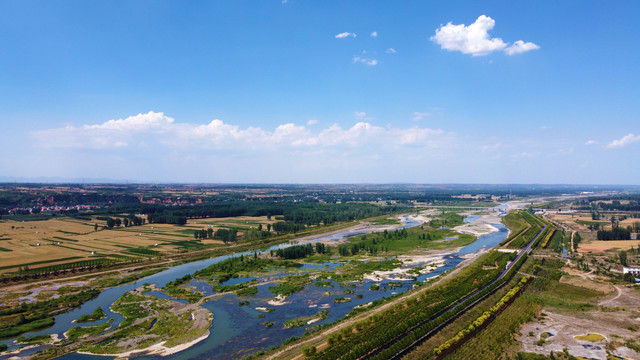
point(285, 289)
point(143, 252)
point(38, 339)
point(64, 239)
point(303, 320)
point(396, 242)
point(341, 299)
point(249, 291)
point(30, 326)
point(568, 298)
point(84, 331)
point(96, 315)
point(68, 232)
point(386, 221)
point(5, 250)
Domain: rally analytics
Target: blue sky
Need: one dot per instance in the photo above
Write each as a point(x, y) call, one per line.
point(321, 91)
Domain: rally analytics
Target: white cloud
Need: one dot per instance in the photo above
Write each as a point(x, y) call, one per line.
point(140, 122)
point(345, 34)
point(475, 40)
point(520, 46)
point(155, 129)
point(391, 51)
point(544, 127)
point(363, 60)
point(374, 34)
point(110, 134)
point(625, 140)
point(591, 142)
point(417, 116)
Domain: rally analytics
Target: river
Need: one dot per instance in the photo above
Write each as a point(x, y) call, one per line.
point(237, 331)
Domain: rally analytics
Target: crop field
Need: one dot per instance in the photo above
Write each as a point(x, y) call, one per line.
point(602, 246)
point(66, 240)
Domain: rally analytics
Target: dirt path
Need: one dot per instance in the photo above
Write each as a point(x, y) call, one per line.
point(614, 298)
point(318, 339)
point(573, 234)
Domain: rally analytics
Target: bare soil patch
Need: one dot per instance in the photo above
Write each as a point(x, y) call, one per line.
point(618, 321)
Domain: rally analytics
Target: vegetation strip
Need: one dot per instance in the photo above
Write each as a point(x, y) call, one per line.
point(482, 320)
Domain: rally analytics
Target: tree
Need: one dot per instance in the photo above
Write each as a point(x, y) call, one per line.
point(576, 240)
point(623, 257)
point(126, 222)
point(95, 227)
point(309, 351)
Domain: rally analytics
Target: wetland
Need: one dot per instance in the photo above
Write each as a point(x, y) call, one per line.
point(261, 298)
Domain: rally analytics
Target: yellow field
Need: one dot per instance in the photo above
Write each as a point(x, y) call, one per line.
point(54, 241)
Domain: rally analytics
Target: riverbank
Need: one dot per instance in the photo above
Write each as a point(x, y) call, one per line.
point(480, 226)
point(338, 237)
point(155, 349)
point(427, 263)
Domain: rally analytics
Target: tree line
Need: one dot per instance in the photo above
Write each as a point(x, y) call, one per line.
point(617, 233)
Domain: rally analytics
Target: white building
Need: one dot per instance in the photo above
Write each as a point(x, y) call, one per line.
point(635, 271)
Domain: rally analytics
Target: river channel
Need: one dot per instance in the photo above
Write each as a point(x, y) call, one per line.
point(237, 331)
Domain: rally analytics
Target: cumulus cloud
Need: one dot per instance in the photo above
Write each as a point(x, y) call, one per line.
point(391, 51)
point(591, 142)
point(141, 122)
point(111, 134)
point(520, 46)
point(312, 122)
point(374, 34)
point(624, 141)
point(345, 35)
point(363, 60)
point(156, 128)
point(475, 40)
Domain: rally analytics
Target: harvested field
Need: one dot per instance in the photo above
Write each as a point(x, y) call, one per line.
point(602, 246)
point(64, 240)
